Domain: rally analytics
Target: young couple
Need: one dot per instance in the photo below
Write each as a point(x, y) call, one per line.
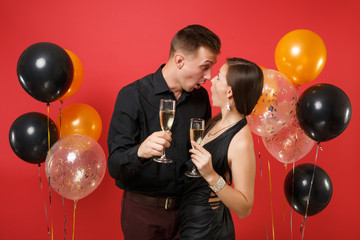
point(159, 201)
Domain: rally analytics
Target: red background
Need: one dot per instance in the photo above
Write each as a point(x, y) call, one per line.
point(121, 41)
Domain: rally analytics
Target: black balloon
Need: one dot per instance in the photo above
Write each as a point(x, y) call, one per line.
point(45, 71)
point(323, 111)
point(297, 185)
point(28, 136)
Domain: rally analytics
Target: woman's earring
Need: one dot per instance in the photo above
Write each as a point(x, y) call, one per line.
point(228, 106)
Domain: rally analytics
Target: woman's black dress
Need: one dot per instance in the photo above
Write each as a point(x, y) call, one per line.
point(199, 218)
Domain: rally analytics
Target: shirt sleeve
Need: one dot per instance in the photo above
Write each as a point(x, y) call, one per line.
point(123, 138)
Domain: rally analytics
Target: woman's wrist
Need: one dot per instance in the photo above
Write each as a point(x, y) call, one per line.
point(212, 179)
point(219, 185)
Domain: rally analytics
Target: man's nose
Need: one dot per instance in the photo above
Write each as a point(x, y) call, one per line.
point(207, 75)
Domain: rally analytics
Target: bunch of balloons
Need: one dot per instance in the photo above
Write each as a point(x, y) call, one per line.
point(289, 127)
point(75, 162)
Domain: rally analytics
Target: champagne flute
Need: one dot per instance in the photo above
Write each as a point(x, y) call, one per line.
point(196, 134)
point(167, 115)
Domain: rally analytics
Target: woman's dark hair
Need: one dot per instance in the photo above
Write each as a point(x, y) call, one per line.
point(246, 80)
point(192, 37)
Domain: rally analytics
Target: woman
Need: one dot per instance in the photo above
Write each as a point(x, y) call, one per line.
point(225, 157)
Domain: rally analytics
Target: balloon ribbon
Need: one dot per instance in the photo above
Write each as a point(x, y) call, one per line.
point(292, 200)
point(302, 228)
point(73, 235)
point(284, 198)
point(48, 128)
point(293, 183)
point(64, 216)
point(46, 216)
point(263, 192)
point(61, 103)
point(271, 204)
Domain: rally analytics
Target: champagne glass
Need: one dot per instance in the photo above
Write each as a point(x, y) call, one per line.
point(167, 115)
point(196, 134)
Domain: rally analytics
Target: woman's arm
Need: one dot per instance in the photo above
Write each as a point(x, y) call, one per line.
point(242, 163)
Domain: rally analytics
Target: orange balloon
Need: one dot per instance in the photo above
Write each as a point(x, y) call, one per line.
point(300, 55)
point(81, 119)
point(267, 98)
point(77, 78)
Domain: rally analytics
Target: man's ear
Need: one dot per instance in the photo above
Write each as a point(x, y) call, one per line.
point(179, 60)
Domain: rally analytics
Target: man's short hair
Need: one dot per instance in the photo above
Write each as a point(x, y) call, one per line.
point(192, 37)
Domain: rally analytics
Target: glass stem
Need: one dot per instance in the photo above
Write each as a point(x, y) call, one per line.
point(163, 155)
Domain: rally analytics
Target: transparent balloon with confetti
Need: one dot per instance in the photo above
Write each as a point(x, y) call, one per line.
point(276, 106)
point(290, 144)
point(75, 166)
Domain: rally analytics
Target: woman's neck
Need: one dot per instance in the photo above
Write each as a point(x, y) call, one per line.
point(229, 117)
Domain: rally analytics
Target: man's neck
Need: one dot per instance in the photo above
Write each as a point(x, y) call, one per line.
point(170, 77)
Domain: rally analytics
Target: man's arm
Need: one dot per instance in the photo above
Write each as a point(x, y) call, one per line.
point(127, 154)
point(123, 138)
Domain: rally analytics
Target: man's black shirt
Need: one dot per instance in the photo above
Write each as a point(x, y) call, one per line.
point(135, 117)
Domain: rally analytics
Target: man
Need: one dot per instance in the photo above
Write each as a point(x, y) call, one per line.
point(152, 190)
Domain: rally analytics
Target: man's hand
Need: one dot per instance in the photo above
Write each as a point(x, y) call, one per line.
point(154, 144)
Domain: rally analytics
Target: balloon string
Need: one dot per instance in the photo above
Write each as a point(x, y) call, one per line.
point(48, 128)
point(293, 185)
point(302, 228)
point(63, 202)
point(61, 103)
point(46, 216)
point(73, 235)
point(297, 93)
point(48, 125)
point(271, 204)
point(263, 192)
point(284, 198)
point(292, 201)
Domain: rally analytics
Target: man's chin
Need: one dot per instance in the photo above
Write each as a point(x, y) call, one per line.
point(197, 86)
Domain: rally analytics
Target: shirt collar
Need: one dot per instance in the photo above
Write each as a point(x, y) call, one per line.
point(160, 85)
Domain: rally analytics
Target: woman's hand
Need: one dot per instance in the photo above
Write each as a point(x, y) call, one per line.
point(203, 161)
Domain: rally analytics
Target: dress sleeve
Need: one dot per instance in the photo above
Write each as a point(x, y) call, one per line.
point(123, 138)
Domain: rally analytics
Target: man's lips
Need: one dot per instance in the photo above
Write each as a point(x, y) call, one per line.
point(198, 85)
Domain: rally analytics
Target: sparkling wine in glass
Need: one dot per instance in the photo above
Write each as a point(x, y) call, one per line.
point(167, 116)
point(197, 126)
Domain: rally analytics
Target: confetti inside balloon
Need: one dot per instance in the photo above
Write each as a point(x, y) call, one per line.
point(276, 105)
point(75, 166)
point(289, 144)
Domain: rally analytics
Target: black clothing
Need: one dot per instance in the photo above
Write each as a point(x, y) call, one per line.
point(200, 219)
point(138, 221)
point(135, 117)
